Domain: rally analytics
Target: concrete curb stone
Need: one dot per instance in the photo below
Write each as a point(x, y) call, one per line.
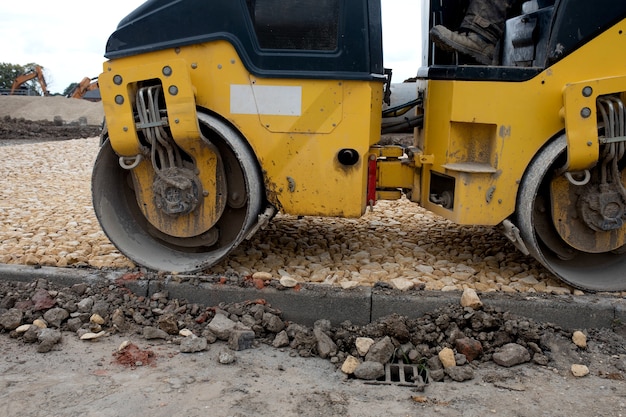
point(360, 305)
point(304, 306)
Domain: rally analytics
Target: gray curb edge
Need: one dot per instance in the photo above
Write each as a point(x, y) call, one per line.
point(360, 305)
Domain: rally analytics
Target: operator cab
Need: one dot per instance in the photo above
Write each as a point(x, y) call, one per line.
point(537, 34)
point(314, 39)
point(525, 37)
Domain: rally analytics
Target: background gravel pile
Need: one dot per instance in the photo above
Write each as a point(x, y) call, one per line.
point(46, 218)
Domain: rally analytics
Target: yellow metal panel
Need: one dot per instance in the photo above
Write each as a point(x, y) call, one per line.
point(119, 97)
point(580, 114)
point(298, 155)
point(484, 141)
point(321, 106)
point(395, 173)
point(524, 116)
point(388, 195)
point(119, 84)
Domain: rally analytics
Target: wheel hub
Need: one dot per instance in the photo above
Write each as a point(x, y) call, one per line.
point(602, 209)
point(177, 191)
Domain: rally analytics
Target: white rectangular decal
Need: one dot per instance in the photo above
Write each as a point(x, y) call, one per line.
point(266, 100)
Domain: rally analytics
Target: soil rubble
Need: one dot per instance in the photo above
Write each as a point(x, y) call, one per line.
point(41, 312)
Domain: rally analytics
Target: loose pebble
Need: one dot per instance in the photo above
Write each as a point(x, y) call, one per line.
point(41, 323)
point(92, 336)
point(265, 276)
point(97, 319)
point(288, 282)
point(185, 332)
point(579, 339)
point(471, 299)
point(23, 328)
point(579, 370)
point(446, 356)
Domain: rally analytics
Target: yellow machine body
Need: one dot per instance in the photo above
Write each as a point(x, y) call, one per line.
point(483, 134)
point(295, 127)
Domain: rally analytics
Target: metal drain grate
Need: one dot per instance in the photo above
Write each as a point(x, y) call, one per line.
point(402, 374)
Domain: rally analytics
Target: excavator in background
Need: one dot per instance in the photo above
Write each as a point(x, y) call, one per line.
point(87, 89)
point(35, 72)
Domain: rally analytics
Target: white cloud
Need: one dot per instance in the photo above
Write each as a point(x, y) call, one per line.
point(68, 38)
point(402, 37)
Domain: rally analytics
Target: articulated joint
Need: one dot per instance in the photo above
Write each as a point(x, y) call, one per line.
point(392, 172)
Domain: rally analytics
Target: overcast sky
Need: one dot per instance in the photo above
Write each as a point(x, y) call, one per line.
point(68, 37)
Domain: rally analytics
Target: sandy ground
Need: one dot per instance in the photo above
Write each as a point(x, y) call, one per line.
point(82, 379)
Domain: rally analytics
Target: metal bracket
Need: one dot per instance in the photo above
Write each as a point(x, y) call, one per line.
point(512, 232)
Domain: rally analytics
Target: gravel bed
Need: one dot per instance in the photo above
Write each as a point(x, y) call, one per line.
point(46, 218)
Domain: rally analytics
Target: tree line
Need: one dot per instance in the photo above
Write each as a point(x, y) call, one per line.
point(10, 72)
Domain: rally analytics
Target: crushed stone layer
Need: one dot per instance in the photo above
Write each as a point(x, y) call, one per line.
point(46, 218)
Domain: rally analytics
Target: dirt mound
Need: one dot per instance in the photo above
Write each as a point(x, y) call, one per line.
point(48, 108)
point(11, 128)
point(49, 118)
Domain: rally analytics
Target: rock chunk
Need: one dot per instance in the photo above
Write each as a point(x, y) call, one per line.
point(381, 351)
point(369, 370)
point(446, 356)
point(469, 347)
point(241, 339)
point(511, 354)
point(85, 305)
point(118, 320)
point(265, 276)
point(579, 339)
point(55, 316)
point(226, 357)
point(363, 345)
point(96, 319)
point(402, 284)
point(325, 345)
point(168, 324)
point(193, 344)
point(42, 300)
point(579, 370)
point(288, 282)
point(471, 299)
point(221, 326)
point(460, 373)
point(47, 339)
point(32, 334)
point(11, 319)
point(281, 340)
point(40, 323)
point(150, 333)
point(350, 365)
point(273, 323)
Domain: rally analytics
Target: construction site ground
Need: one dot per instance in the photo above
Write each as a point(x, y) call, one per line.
point(88, 378)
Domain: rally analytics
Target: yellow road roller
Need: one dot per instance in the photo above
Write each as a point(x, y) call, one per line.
point(220, 114)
